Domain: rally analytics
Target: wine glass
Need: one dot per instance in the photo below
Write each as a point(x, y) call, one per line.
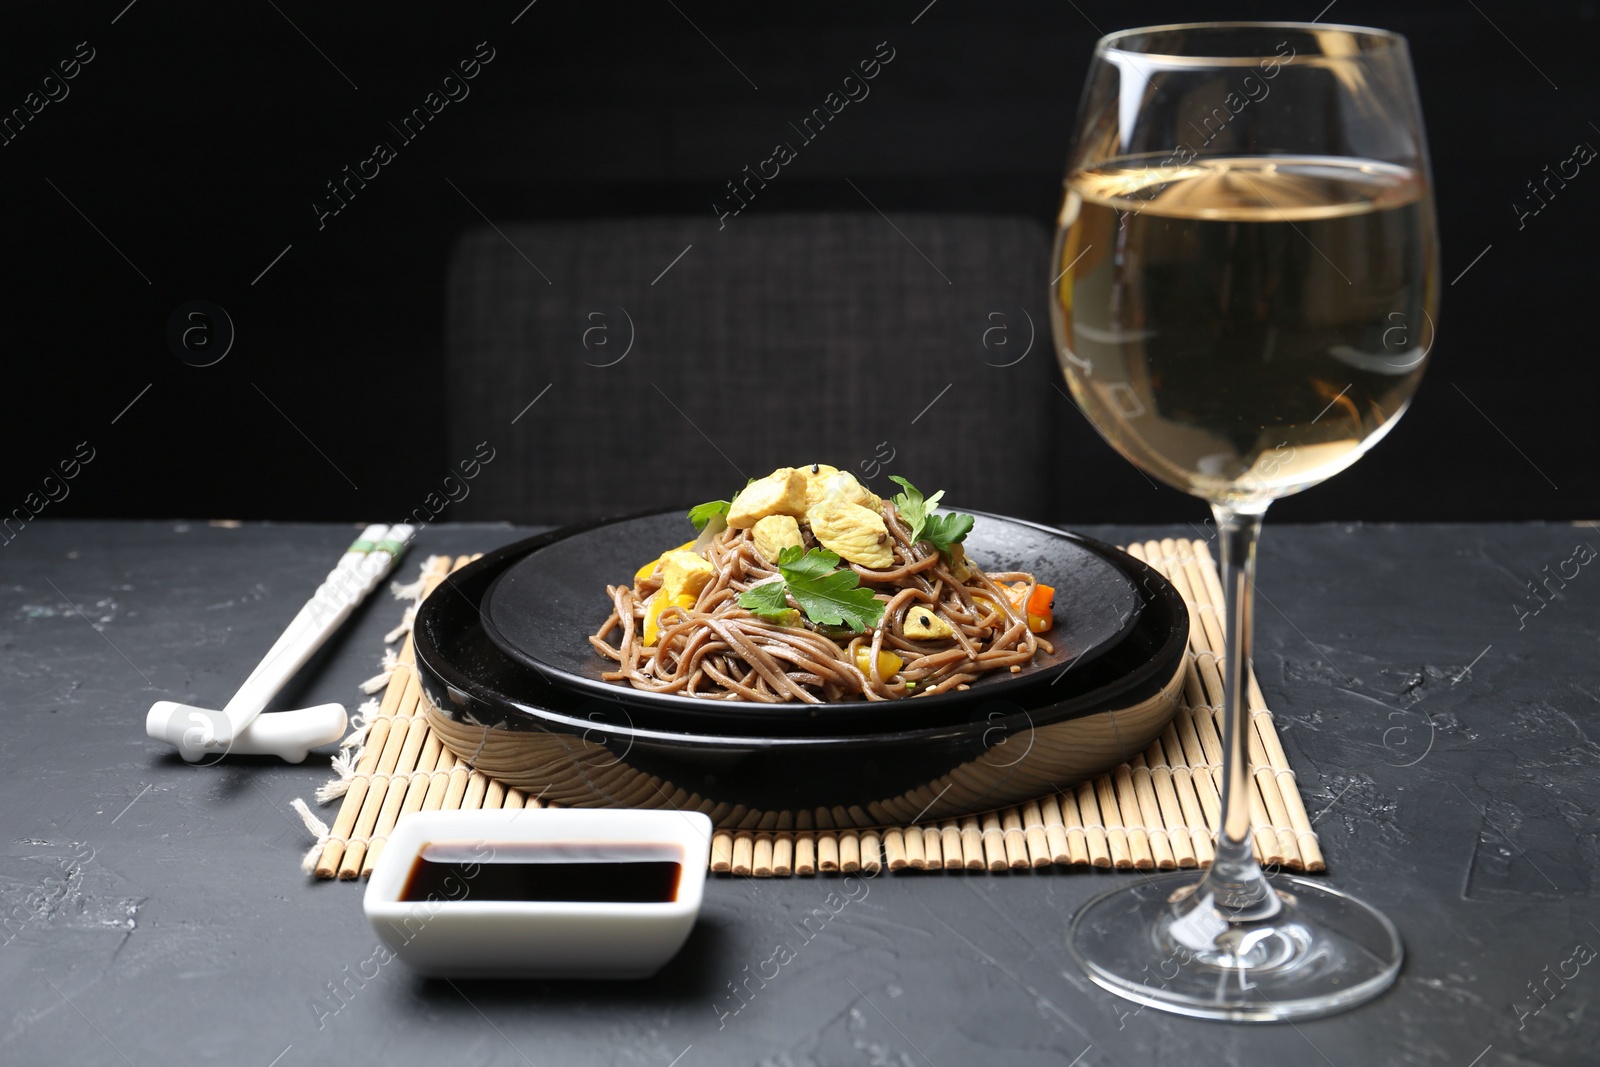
point(1245, 281)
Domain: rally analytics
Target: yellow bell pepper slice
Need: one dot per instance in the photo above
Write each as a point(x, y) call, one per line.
point(889, 664)
point(652, 613)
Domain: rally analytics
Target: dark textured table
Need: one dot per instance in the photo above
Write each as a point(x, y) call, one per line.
point(1438, 714)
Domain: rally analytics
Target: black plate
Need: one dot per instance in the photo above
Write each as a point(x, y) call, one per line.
point(764, 764)
point(542, 609)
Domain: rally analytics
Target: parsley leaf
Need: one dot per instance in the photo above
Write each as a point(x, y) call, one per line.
point(940, 531)
point(813, 564)
point(945, 531)
point(829, 597)
point(913, 508)
point(769, 599)
point(701, 514)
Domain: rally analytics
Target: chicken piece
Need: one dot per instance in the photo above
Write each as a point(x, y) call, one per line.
point(650, 568)
point(684, 574)
point(775, 533)
point(923, 625)
point(816, 476)
point(843, 484)
point(783, 492)
point(853, 532)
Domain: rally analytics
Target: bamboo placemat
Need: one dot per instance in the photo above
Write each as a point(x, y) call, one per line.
point(1158, 811)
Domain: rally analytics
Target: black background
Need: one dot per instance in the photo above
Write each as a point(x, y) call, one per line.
point(199, 136)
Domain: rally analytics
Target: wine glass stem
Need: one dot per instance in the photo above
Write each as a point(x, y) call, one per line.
point(1235, 881)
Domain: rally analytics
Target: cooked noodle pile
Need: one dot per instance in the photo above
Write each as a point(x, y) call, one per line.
point(719, 650)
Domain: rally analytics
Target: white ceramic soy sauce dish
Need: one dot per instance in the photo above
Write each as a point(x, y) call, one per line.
point(456, 936)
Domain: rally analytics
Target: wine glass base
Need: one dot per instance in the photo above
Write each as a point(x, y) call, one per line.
point(1322, 952)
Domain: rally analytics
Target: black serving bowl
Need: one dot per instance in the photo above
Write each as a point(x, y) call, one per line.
point(590, 748)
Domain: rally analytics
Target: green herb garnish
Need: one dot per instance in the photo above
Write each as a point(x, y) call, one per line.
point(944, 532)
point(940, 531)
point(701, 514)
point(829, 597)
point(769, 600)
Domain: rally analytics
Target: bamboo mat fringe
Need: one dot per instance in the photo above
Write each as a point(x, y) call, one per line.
point(1158, 810)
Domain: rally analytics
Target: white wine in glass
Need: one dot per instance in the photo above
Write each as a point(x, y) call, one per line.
point(1217, 346)
point(1245, 282)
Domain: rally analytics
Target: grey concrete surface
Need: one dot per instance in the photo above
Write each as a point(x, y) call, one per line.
point(1440, 717)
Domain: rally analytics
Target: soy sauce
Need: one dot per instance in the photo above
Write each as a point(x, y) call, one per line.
point(595, 872)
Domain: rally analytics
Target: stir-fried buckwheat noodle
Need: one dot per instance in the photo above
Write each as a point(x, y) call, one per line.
point(719, 650)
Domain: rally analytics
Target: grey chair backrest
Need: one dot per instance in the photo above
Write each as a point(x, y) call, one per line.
point(666, 362)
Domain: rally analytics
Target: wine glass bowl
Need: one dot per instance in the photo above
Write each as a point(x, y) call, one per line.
point(1244, 291)
point(1248, 267)
point(1255, 325)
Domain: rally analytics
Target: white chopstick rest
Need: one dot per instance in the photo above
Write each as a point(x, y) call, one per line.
point(290, 735)
point(206, 734)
